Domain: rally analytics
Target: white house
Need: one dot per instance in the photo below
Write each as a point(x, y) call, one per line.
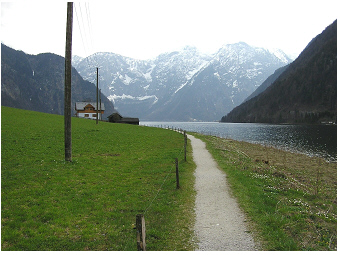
point(88, 110)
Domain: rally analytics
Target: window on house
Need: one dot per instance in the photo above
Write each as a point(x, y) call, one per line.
point(94, 115)
point(86, 115)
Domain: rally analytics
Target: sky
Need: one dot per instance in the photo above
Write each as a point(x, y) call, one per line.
point(143, 29)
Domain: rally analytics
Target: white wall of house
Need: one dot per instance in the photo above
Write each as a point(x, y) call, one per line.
point(89, 115)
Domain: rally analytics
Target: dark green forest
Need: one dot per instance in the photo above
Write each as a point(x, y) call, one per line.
point(36, 82)
point(306, 92)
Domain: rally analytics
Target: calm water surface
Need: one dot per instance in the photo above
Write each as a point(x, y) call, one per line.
point(313, 140)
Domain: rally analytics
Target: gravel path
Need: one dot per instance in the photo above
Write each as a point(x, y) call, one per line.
point(220, 224)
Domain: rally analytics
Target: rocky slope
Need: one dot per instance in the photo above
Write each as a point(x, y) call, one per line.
point(182, 85)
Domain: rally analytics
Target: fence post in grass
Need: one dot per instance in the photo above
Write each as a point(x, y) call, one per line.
point(177, 175)
point(140, 226)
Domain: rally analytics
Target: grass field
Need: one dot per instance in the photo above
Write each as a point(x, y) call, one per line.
point(117, 172)
point(291, 199)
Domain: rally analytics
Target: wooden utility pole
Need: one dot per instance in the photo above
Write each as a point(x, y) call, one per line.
point(97, 98)
point(67, 93)
point(100, 104)
point(185, 146)
point(177, 175)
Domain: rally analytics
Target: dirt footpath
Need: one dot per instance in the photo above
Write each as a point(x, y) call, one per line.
point(220, 224)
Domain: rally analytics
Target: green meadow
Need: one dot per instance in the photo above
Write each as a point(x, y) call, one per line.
point(117, 171)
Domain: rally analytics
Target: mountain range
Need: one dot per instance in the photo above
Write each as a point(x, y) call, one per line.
point(184, 85)
point(36, 82)
point(304, 91)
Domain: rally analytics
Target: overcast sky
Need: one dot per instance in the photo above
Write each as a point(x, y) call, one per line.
point(143, 29)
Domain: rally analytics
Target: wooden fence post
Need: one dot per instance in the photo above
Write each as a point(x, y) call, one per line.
point(140, 226)
point(177, 175)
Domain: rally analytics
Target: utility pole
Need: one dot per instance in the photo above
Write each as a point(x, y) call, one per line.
point(97, 97)
point(100, 104)
point(67, 93)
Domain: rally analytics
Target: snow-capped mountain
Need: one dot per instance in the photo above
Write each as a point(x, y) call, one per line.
point(182, 85)
point(76, 60)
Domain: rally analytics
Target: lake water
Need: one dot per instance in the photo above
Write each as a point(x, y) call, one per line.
point(313, 140)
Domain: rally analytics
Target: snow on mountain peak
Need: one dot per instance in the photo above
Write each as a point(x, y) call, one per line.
point(189, 48)
point(280, 55)
point(151, 89)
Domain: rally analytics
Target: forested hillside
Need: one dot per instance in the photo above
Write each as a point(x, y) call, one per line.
point(36, 82)
point(304, 93)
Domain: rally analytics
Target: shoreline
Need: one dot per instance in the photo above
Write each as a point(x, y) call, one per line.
point(287, 196)
point(312, 140)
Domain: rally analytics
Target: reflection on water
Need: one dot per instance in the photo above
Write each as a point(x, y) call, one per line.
point(313, 140)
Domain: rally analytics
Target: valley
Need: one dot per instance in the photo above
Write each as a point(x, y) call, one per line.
point(183, 85)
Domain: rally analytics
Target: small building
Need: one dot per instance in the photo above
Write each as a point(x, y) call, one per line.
point(116, 117)
point(88, 110)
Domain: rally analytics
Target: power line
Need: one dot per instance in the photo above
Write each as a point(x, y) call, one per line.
point(80, 31)
point(92, 37)
point(86, 35)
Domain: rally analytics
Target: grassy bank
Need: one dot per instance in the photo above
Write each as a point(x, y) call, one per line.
point(290, 198)
point(118, 171)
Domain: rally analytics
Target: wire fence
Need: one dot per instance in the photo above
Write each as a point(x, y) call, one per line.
point(140, 221)
point(171, 170)
point(140, 226)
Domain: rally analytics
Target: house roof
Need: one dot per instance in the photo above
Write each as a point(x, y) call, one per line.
point(115, 112)
point(81, 105)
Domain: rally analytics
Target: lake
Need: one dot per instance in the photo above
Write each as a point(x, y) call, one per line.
point(313, 140)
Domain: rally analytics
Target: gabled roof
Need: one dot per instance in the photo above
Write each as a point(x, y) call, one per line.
point(81, 105)
point(115, 112)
